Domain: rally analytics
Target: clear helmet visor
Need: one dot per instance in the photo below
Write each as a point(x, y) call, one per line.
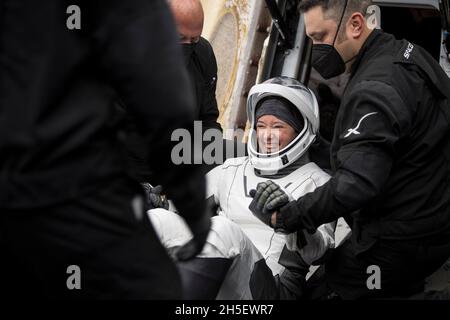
point(300, 97)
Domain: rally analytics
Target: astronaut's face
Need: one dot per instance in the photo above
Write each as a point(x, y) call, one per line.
point(273, 134)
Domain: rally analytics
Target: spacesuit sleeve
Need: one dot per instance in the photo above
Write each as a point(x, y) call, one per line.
point(138, 53)
point(374, 119)
point(318, 243)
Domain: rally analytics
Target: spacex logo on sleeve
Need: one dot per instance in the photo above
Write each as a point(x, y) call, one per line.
point(408, 51)
point(355, 130)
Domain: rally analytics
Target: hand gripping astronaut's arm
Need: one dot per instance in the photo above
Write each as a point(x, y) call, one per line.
point(312, 247)
point(268, 197)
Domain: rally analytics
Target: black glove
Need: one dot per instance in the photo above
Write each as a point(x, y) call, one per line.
point(200, 230)
point(154, 197)
point(267, 197)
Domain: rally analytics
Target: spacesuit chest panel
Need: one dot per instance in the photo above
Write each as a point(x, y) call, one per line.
point(235, 199)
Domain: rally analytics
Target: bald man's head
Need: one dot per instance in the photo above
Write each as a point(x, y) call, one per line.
point(189, 19)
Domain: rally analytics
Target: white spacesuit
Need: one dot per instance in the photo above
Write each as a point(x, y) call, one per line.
point(265, 264)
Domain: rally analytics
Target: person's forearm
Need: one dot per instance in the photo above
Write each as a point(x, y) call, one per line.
point(309, 212)
point(352, 187)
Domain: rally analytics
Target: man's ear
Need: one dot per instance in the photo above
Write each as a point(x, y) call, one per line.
point(356, 24)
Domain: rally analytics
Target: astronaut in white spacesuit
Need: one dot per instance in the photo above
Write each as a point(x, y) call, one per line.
point(262, 263)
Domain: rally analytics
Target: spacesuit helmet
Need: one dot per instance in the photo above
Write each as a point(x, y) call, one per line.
point(301, 98)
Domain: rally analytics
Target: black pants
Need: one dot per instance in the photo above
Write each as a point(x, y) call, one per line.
point(107, 235)
point(404, 265)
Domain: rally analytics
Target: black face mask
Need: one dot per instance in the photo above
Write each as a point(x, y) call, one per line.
point(188, 50)
point(326, 59)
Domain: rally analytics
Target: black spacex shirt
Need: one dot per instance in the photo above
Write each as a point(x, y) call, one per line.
point(391, 148)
